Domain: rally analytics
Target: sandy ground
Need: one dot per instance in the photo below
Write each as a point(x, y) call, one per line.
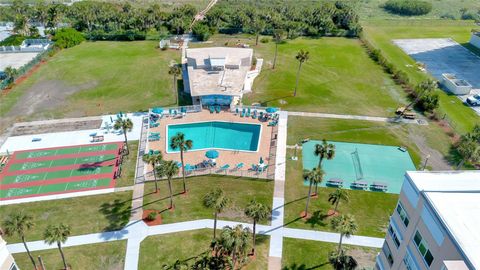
point(436, 160)
point(45, 94)
point(15, 60)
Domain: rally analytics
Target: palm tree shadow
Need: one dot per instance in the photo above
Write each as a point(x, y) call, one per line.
point(117, 214)
point(264, 103)
point(317, 218)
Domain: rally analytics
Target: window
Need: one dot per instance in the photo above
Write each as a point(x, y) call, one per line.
point(394, 236)
point(423, 248)
point(403, 214)
point(388, 253)
point(409, 261)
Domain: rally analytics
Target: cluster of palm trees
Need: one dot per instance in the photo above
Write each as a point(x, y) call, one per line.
point(345, 225)
point(218, 201)
point(169, 168)
point(19, 223)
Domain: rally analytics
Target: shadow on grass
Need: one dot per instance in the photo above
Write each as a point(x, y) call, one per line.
point(317, 218)
point(117, 214)
point(302, 266)
point(264, 103)
point(160, 199)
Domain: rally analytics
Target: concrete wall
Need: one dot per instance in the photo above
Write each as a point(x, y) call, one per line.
point(6, 259)
point(475, 40)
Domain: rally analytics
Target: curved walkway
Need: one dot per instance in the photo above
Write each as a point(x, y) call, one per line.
point(360, 117)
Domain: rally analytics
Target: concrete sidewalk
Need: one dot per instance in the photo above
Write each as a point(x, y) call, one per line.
point(359, 117)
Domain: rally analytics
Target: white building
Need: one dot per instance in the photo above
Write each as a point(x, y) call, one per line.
point(435, 224)
point(219, 75)
point(456, 86)
point(475, 39)
point(6, 259)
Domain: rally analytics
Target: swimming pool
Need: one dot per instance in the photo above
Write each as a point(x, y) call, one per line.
point(218, 135)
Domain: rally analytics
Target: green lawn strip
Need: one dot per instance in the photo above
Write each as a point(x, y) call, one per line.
point(190, 206)
point(108, 255)
point(339, 77)
point(381, 32)
point(308, 254)
point(129, 165)
point(70, 186)
point(99, 69)
point(160, 250)
point(60, 162)
point(371, 209)
point(88, 214)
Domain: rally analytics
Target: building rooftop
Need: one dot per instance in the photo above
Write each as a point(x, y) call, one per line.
point(455, 197)
point(218, 70)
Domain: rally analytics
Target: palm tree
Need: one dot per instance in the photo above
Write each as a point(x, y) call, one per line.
point(278, 35)
point(126, 125)
point(469, 149)
point(258, 212)
point(424, 88)
point(168, 168)
point(218, 201)
point(18, 223)
point(335, 197)
point(176, 71)
point(345, 225)
point(178, 142)
point(58, 234)
point(153, 160)
point(235, 242)
point(313, 176)
point(324, 150)
point(302, 56)
point(10, 73)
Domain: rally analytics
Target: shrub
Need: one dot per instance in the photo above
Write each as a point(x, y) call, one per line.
point(469, 16)
point(408, 7)
point(448, 16)
point(13, 40)
point(264, 40)
point(67, 37)
point(201, 32)
point(152, 216)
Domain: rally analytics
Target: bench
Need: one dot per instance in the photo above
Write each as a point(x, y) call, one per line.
point(98, 138)
point(359, 184)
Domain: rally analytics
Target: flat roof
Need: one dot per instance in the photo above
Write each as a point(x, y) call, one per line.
point(229, 81)
point(455, 197)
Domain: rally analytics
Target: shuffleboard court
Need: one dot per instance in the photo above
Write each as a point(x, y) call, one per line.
point(24, 178)
point(59, 162)
point(55, 188)
point(65, 151)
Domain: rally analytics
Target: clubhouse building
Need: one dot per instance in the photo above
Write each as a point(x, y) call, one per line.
point(435, 223)
point(219, 75)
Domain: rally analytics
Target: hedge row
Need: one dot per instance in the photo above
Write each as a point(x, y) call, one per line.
point(408, 7)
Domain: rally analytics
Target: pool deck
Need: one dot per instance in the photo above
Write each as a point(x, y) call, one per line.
point(226, 156)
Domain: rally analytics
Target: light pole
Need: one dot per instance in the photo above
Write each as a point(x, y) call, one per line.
point(425, 163)
point(295, 153)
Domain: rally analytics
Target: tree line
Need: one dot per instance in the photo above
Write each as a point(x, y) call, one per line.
point(336, 18)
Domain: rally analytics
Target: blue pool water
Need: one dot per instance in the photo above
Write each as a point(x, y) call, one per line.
point(218, 135)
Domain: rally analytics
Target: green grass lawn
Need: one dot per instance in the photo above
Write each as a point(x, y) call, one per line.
point(338, 78)
point(87, 214)
point(381, 32)
point(111, 76)
point(190, 206)
point(109, 255)
point(370, 9)
point(160, 250)
point(306, 254)
point(371, 209)
point(128, 166)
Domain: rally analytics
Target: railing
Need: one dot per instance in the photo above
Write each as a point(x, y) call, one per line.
point(258, 108)
point(188, 109)
point(142, 144)
point(272, 156)
point(218, 171)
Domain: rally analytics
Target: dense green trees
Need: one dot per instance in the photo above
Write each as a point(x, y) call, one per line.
point(67, 38)
point(408, 7)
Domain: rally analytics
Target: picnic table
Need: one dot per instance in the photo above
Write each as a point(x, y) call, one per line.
point(360, 184)
point(99, 138)
point(382, 186)
point(337, 182)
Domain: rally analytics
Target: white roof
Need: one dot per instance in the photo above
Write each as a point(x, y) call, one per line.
point(455, 197)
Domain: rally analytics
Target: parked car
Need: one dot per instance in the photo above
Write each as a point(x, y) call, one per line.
point(474, 100)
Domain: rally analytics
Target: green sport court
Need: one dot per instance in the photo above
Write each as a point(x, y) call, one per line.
point(361, 162)
point(60, 170)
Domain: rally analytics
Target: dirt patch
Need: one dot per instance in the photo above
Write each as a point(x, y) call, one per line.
point(46, 95)
point(365, 257)
point(436, 161)
point(56, 127)
point(234, 213)
point(157, 221)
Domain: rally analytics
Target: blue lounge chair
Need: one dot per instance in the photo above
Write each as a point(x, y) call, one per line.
point(243, 113)
point(254, 115)
point(239, 166)
point(236, 110)
point(248, 112)
point(224, 167)
point(217, 109)
point(212, 110)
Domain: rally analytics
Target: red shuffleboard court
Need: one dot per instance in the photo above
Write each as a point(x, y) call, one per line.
point(58, 170)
